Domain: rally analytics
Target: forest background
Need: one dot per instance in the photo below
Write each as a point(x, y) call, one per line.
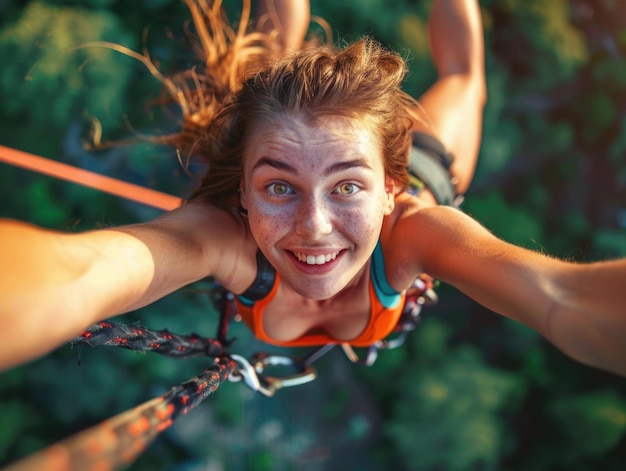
point(469, 390)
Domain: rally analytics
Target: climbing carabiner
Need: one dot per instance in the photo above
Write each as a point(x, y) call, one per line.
point(254, 375)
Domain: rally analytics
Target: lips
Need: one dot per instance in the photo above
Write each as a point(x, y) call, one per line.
point(315, 259)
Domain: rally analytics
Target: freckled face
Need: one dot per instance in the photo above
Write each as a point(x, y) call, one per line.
point(316, 195)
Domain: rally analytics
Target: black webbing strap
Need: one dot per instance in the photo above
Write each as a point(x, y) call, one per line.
point(429, 163)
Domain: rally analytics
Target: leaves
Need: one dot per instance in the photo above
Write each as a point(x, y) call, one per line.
point(447, 415)
point(593, 423)
point(46, 76)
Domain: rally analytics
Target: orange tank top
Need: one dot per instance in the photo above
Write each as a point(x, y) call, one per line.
point(385, 311)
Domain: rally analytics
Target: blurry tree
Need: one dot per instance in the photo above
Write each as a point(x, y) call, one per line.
point(447, 411)
point(48, 79)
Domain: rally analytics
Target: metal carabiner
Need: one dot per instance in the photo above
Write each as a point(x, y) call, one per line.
point(246, 372)
point(252, 372)
point(304, 373)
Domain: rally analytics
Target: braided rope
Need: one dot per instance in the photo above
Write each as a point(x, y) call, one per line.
point(118, 441)
point(136, 337)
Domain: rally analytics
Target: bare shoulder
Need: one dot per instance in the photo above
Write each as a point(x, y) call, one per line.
point(403, 240)
point(219, 238)
point(447, 244)
point(421, 238)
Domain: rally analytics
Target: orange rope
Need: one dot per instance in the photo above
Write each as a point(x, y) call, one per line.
point(89, 179)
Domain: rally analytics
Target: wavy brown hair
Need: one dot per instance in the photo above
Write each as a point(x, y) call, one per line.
point(250, 80)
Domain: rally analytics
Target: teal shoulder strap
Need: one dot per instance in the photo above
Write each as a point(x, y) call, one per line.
point(387, 296)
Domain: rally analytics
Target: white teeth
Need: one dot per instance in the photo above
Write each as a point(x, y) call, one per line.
point(315, 259)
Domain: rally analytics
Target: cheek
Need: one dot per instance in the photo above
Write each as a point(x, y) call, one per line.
point(363, 223)
point(267, 222)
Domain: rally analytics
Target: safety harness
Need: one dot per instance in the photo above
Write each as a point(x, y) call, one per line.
point(429, 167)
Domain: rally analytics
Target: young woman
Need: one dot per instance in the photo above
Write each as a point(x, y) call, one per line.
point(306, 212)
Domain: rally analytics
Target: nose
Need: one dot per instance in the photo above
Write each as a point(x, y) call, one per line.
point(314, 217)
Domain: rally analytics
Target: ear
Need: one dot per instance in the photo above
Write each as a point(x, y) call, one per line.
point(390, 195)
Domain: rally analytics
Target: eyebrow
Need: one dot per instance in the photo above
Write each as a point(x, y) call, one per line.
point(274, 163)
point(334, 168)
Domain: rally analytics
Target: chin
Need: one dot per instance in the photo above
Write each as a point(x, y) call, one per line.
point(317, 293)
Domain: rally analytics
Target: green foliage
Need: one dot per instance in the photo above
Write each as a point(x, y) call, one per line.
point(599, 105)
point(46, 78)
point(553, 50)
point(617, 149)
point(592, 423)
point(50, 213)
point(447, 415)
point(578, 430)
point(260, 461)
point(610, 243)
point(88, 3)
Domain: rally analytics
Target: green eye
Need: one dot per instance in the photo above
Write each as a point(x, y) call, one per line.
point(347, 188)
point(278, 189)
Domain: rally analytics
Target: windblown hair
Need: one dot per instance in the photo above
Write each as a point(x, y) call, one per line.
point(252, 81)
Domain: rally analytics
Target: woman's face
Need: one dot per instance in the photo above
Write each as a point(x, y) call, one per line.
point(316, 195)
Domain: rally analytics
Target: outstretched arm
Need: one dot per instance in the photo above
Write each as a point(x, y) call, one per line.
point(579, 307)
point(52, 285)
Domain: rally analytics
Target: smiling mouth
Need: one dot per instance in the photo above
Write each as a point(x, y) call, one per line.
point(316, 259)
